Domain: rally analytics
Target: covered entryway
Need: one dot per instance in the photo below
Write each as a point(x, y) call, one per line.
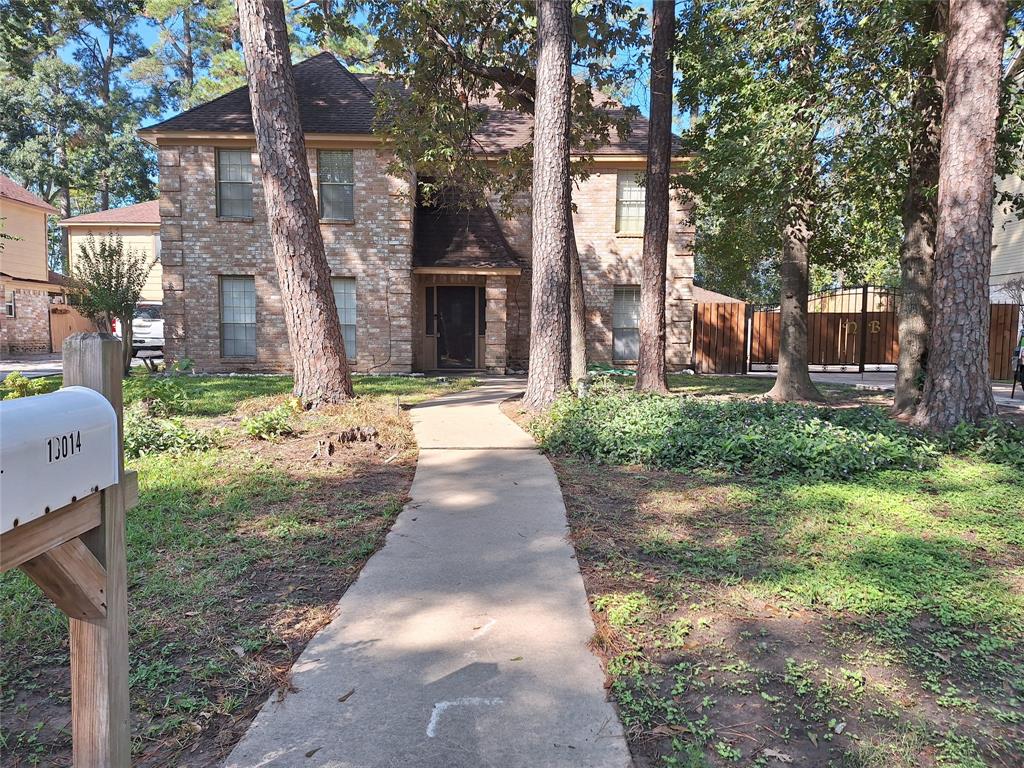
point(464, 272)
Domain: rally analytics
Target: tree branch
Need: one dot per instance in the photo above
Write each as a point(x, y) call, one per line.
point(518, 85)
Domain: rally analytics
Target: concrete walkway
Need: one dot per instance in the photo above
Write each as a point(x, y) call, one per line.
point(464, 640)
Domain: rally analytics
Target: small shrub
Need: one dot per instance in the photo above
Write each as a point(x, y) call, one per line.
point(145, 433)
point(183, 365)
point(161, 395)
point(16, 385)
point(270, 424)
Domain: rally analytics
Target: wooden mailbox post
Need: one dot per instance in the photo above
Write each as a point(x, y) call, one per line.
point(74, 549)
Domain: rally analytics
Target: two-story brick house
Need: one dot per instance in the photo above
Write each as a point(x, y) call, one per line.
point(417, 288)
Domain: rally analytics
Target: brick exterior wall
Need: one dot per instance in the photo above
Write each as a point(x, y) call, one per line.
point(198, 248)
point(28, 332)
point(607, 260)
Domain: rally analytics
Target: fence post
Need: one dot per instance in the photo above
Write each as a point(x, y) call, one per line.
point(99, 647)
point(863, 341)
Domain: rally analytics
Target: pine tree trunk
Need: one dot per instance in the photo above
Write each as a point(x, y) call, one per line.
point(917, 252)
point(957, 386)
point(549, 321)
point(311, 317)
point(650, 371)
point(577, 313)
point(793, 381)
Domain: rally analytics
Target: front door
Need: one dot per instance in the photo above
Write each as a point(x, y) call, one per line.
point(456, 326)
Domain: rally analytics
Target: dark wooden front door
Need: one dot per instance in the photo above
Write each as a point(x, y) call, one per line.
point(456, 331)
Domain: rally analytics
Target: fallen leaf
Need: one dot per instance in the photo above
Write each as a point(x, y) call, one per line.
point(670, 730)
point(840, 727)
point(313, 751)
point(782, 757)
point(517, 658)
point(346, 696)
point(238, 650)
point(813, 738)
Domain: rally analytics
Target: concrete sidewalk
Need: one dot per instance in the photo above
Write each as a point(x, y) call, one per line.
point(886, 381)
point(464, 642)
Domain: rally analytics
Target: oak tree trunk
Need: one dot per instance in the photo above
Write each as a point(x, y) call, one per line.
point(311, 317)
point(549, 322)
point(577, 313)
point(650, 371)
point(917, 251)
point(957, 387)
point(793, 381)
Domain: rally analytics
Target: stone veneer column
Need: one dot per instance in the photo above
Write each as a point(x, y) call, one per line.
point(172, 254)
point(495, 353)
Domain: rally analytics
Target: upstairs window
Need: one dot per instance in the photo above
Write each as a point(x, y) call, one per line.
point(629, 205)
point(345, 299)
point(234, 183)
point(9, 305)
point(626, 324)
point(335, 175)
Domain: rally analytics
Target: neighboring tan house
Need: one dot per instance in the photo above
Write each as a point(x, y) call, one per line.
point(139, 228)
point(1007, 246)
point(27, 286)
point(417, 288)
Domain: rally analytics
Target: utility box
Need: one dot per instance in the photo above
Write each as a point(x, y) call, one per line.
point(54, 449)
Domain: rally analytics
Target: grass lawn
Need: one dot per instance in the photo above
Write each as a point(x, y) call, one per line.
point(765, 621)
point(236, 557)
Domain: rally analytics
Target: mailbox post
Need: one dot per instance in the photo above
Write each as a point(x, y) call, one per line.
point(64, 494)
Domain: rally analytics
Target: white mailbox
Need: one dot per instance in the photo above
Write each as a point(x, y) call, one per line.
point(54, 449)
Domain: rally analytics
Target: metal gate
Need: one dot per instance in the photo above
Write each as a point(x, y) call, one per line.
point(849, 329)
point(855, 330)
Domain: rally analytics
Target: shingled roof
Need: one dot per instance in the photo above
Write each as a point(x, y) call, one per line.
point(460, 239)
point(334, 100)
point(13, 191)
point(140, 213)
point(331, 100)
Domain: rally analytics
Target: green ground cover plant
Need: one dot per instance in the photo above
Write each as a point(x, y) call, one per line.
point(237, 553)
point(766, 613)
point(614, 424)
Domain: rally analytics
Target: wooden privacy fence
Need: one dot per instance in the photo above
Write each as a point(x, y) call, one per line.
point(848, 331)
point(720, 337)
point(63, 498)
point(65, 321)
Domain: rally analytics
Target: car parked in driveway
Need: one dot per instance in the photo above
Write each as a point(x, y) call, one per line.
point(147, 328)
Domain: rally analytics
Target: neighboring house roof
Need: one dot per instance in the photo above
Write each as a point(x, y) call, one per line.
point(460, 239)
point(53, 278)
point(336, 101)
point(140, 213)
point(704, 296)
point(331, 100)
point(12, 191)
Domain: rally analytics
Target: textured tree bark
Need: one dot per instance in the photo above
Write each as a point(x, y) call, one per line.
point(549, 321)
point(957, 387)
point(650, 370)
point(917, 252)
point(793, 381)
point(311, 317)
point(577, 313)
